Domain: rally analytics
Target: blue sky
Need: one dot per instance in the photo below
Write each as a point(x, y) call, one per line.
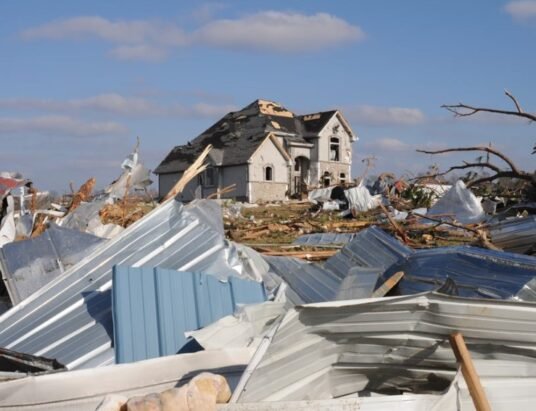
point(80, 80)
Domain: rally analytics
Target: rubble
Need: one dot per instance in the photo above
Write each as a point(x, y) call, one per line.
point(344, 300)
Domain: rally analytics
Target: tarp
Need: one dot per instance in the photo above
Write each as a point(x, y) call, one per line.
point(460, 203)
point(359, 199)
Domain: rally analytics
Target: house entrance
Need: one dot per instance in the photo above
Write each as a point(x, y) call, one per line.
point(300, 175)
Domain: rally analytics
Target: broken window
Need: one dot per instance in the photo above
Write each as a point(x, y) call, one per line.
point(326, 179)
point(342, 178)
point(208, 177)
point(268, 173)
point(334, 149)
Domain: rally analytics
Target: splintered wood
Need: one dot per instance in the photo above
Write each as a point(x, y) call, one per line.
point(196, 168)
point(83, 194)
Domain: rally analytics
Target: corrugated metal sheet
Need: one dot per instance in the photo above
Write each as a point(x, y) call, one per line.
point(319, 239)
point(372, 248)
point(476, 272)
point(70, 318)
point(83, 390)
point(516, 235)
point(389, 346)
point(30, 264)
point(310, 282)
point(504, 394)
point(153, 308)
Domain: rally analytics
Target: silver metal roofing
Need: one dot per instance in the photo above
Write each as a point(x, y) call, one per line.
point(320, 239)
point(390, 346)
point(372, 248)
point(504, 393)
point(153, 308)
point(312, 283)
point(28, 265)
point(70, 318)
point(517, 235)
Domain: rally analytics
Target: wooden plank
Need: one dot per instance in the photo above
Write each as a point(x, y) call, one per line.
point(195, 168)
point(469, 372)
point(388, 284)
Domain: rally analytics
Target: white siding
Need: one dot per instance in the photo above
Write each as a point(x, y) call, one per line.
point(267, 155)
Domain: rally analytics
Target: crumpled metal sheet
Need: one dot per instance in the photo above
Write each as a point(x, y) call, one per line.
point(83, 390)
point(371, 248)
point(477, 272)
point(309, 282)
point(390, 346)
point(517, 235)
point(70, 318)
point(242, 329)
point(30, 264)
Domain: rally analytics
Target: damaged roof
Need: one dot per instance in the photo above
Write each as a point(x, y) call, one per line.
point(237, 135)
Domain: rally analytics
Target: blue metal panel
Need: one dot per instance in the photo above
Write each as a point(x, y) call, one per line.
point(372, 248)
point(154, 307)
point(476, 272)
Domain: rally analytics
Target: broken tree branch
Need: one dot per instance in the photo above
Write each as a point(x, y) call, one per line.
point(514, 172)
point(475, 148)
point(466, 110)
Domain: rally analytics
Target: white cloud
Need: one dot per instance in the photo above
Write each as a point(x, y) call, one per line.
point(59, 125)
point(152, 40)
point(113, 103)
point(383, 116)
point(118, 32)
point(279, 31)
point(521, 10)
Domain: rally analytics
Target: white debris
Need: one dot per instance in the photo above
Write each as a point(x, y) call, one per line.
point(460, 203)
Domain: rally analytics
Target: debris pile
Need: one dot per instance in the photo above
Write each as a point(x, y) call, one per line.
point(415, 297)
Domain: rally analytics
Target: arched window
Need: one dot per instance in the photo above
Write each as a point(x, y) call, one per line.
point(268, 173)
point(342, 178)
point(334, 149)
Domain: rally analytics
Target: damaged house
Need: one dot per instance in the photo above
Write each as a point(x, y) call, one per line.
point(267, 151)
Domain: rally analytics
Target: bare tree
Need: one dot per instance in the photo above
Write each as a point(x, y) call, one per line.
point(484, 162)
point(465, 110)
point(512, 172)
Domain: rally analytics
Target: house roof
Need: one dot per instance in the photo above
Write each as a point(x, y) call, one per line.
point(314, 123)
point(237, 135)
